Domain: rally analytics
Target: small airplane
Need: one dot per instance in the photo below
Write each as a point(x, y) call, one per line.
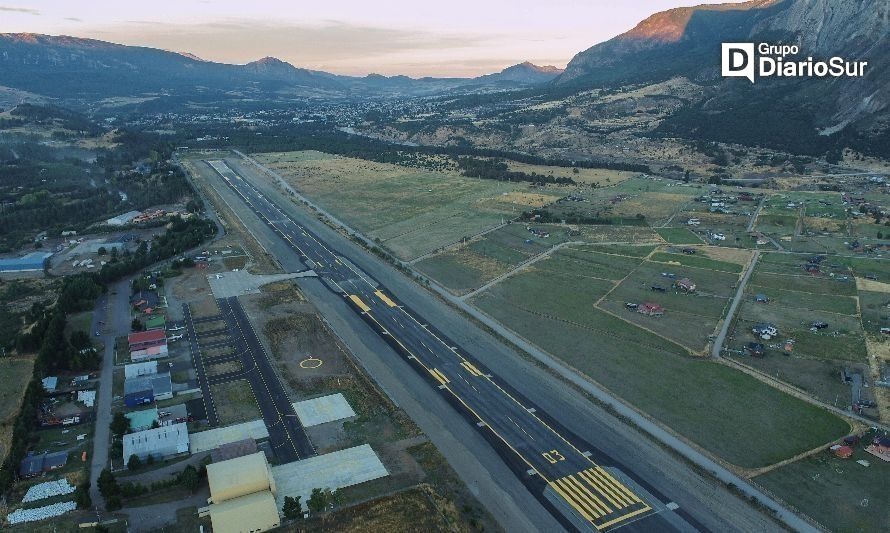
point(174, 338)
point(177, 328)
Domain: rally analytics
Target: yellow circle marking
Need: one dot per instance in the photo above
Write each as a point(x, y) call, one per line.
point(311, 362)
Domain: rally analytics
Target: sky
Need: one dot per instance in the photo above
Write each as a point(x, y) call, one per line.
point(355, 37)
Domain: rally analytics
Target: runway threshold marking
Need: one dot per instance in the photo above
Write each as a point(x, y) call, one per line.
point(358, 301)
point(386, 299)
point(599, 497)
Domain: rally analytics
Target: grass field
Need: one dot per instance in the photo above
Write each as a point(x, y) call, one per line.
point(552, 304)
point(15, 373)
point(411, 211)
point(235, 402)
point(841, 494)
point(600, 177)
point(678, 236)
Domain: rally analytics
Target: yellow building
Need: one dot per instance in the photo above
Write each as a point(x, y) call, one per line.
point(242, 495)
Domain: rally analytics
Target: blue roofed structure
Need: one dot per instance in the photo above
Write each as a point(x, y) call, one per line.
point(27, 263)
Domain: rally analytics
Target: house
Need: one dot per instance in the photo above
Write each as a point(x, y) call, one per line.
point(841, 452)
point(146, 339)
point(685, 285)
point(159, 442)
point(242, 495)
point(650, 309)
point(765, 331)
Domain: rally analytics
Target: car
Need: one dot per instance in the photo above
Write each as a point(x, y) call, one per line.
point(631, 305)
point(689, 251)
point(819, 325)
point(98, 334)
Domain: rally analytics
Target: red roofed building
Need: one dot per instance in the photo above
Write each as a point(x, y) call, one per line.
point(650, 309)
point(146, 339)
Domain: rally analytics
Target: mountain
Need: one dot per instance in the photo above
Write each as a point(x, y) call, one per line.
point(524, 73)
point(90, 70)
point(685, 43)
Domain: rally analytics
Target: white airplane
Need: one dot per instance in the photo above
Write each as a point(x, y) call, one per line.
point(177, 328)
point(174, 338)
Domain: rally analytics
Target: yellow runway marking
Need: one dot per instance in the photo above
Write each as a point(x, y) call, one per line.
point(358, 301)
point(471, 368)
point(599, 497)
point(385, 299)
point(440, 377)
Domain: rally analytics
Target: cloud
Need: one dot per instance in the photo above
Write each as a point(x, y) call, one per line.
point(25, 10)
point(74, 19)
point(326, 42)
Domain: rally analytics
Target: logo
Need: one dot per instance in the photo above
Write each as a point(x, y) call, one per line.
point(739, 60)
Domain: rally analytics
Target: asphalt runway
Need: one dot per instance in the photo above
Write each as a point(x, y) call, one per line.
point(581, 493)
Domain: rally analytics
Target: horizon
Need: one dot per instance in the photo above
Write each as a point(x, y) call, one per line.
point(348, 38)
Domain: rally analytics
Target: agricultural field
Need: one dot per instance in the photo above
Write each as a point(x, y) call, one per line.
point(15, 374)
point(410, 211)
point(857, 494)
point(553, 304)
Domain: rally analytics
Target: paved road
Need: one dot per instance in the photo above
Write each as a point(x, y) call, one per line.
point(582, 492)
point(112, 307)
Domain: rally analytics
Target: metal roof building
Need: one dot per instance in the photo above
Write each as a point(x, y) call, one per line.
point(142, 420)
point(140, 369)
point(242, 494)
point(158, 442)
point(237, 477)
point(32, 262)
point(123, 219)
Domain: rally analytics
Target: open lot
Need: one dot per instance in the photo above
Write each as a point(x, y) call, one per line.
point(857, 494)
point(235, 402)
point(410, 211)
point(553, 305)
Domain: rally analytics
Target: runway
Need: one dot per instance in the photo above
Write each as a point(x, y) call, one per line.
point(563, 474)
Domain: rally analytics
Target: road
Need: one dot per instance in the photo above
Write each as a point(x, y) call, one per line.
point(739, 295)
point(112, 307)
point(583, 493)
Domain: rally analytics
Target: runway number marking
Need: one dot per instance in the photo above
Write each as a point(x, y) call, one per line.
point(553, 456)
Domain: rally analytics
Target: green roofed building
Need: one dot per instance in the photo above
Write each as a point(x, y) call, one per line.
point(155, 322)
point(142, 420)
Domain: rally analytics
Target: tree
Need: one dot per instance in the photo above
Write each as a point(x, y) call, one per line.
point(102, 250)
point(120, 424)
point(136, 325)
point(190, 479)
point(317, 501)
point(113, 503)
point(293, 508)
point(134, 462)
point(82, 496)
point(108, 486)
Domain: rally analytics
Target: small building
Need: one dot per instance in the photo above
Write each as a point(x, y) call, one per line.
point(148, 354)
point(142, 420)
point(685, 285)
point(136, 370)
point(755, 349)
point(35, 465)
point(761, 298)
point(138, 391)
point(841, 452)
point(650, 309)
point(50, 383)
point(32, 262)
point(141, 340)
point(161, 386)
point(765, 331)
point(159, 442)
